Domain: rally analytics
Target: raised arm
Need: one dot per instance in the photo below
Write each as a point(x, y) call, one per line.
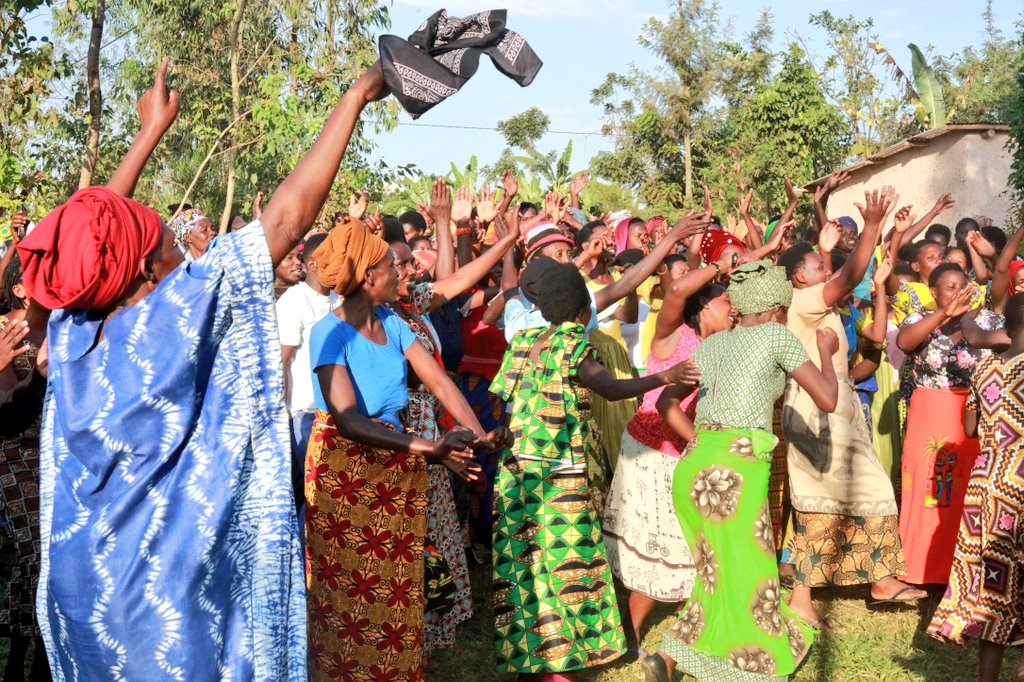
point(753, 232)
point(441, 211)
point(158, 107)
point(978, 248)
point(943, 203)
point(689, 225)
point(1001, 270)
point(879, 327)
point(878, 206)
point(297, 201)
point(821, 195)
point(676, 294)
point(465, 277)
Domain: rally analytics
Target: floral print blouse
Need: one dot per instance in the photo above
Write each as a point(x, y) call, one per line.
point(940, 363)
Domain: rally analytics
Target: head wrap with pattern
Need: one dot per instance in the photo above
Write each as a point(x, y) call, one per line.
point(758, 287)
point(183, 223)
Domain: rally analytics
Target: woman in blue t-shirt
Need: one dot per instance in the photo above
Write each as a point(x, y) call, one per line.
point(366, 480)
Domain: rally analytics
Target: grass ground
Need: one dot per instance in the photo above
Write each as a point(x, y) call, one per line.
point(878, 645)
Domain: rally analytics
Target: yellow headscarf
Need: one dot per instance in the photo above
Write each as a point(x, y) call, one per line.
point(348, 252)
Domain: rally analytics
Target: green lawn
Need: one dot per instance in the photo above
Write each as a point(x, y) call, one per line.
point(877, 645)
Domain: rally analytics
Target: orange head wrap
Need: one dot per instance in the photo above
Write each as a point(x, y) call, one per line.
point(348, 252)
point(86, 253)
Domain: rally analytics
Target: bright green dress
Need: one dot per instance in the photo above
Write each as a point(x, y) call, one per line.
point(735, 625)
point(554, 602)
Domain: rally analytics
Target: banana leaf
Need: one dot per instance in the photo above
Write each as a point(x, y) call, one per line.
point(929, 89)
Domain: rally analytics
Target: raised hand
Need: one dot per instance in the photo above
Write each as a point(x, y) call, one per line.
point(11, 342)
point(707, 201)
point(357, 205)
point(835, 180)
point(944, 203)
point(882, 272)
point(440, 208)
point(983, 247)
point(877, 205)
point(554, 206)
point(257, 205)
point(690, 224)
point(510, 186)
point(790, 192)
point(462, 207)
point(158, 106)
point(579, 181)
point(18, 223)
point(745, 204)
point(829, 236)
point(375, 223)
point(904, 219)
point(486, 210)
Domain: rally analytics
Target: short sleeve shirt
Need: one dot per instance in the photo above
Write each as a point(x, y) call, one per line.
point(520, 315)
point(807, 314)
point(379, 373)
point(744, 373)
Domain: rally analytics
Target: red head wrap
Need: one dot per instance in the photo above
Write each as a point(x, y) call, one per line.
point(86, 253)
point(1014, 267)
point(716, 241)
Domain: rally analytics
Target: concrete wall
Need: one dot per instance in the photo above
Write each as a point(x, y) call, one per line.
point(970, 166)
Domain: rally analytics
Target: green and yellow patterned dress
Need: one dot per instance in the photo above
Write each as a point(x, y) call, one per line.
point(554, 603)
point(735, 626)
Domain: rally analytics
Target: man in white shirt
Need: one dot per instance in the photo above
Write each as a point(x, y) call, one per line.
point(298, 309)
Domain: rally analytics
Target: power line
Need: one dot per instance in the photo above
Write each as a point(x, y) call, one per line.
point(462, 127)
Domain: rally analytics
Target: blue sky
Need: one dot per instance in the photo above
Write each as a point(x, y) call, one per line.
point(581, 41)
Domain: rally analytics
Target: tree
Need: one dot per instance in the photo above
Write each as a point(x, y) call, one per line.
point(28, 66)
point(853, 77)
point(257, 81)
point(664, 124)
point(525, 129)
point(786, 129)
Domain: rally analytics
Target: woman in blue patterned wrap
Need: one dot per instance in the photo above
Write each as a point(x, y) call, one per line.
point(170, 542)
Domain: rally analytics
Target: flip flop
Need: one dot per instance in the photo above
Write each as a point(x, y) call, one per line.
point(894, 599)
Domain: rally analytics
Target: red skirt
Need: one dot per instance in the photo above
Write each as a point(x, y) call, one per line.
point(937, 461)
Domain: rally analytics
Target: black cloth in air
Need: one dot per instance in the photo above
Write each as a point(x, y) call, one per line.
point(444, 53)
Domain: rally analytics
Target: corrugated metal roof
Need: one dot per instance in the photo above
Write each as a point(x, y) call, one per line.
point(919, 140)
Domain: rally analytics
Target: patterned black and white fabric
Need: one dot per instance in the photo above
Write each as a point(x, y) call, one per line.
point(444, 53)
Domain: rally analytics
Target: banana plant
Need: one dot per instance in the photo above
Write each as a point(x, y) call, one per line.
point(931, 105)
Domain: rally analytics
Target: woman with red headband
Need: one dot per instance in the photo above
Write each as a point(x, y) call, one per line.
point(169, 538)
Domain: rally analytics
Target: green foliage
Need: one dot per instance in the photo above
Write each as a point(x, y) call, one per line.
point(28, 66)
point(525, 129)
point(932, 110)
point(852, 75)
point(1013, 114)
point(786, 129)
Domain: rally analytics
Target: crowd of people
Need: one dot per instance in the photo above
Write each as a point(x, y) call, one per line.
point(276, 454)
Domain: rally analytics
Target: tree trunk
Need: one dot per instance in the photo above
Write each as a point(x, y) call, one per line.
point(92, 73)
point(688, 164)
point(236, 108)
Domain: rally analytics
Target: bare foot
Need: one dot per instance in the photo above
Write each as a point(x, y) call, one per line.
point(812, 618)
point(891, 588)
